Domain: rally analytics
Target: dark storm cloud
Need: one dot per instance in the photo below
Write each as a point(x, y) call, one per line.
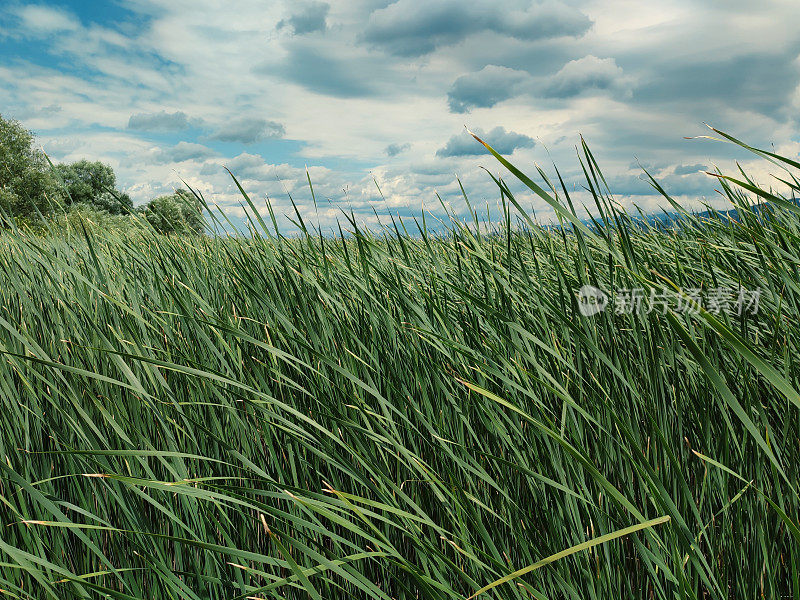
point(321, 73)
point(689, 169)
point(493, 84)
point(249, 131)
point(248, 166)
point(160, 121)
point(759, 81)
point(697, 184)
point(307, 18)
point(582, 75)
point(413, 28)
point(181, 152)
point(505, 142)
point(484, 88)
point(395, 149)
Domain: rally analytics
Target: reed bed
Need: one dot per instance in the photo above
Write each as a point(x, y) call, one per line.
point(398, 414)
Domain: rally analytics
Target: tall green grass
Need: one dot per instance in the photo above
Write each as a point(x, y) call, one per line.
point(398, 415)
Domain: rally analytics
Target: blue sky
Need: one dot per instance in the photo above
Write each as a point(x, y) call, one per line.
point(376, 90)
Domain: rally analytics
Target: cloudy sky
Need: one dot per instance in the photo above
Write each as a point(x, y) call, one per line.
point(361, 92)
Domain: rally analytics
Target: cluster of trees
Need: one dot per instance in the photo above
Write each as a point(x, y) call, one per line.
point(31, 188)
point(93, 184)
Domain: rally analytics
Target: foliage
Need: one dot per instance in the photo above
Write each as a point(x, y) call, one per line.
point(93, 183)
point(179, 213)
point(80, 217)
point(403, 416)
point(27, 186)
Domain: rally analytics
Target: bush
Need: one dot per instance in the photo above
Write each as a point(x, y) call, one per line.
point(180, 212)
point(82, 217)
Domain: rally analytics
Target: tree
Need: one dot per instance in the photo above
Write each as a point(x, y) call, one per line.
point(93, 183)
point(180, 212)
point(27, 185)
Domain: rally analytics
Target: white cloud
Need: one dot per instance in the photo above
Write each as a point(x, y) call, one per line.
point(39, 19)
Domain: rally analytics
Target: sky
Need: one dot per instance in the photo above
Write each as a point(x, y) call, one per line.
point(371, 99)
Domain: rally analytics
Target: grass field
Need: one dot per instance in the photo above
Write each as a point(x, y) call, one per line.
point(400, 415)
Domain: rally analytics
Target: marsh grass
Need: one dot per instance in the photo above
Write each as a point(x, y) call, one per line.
point(388, 415)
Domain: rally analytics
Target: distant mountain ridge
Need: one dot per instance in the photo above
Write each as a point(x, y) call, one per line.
point(673, 218)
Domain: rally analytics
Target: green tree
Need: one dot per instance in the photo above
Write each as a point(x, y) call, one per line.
point(93, 183)
point(27, 185)
point(180, 212)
